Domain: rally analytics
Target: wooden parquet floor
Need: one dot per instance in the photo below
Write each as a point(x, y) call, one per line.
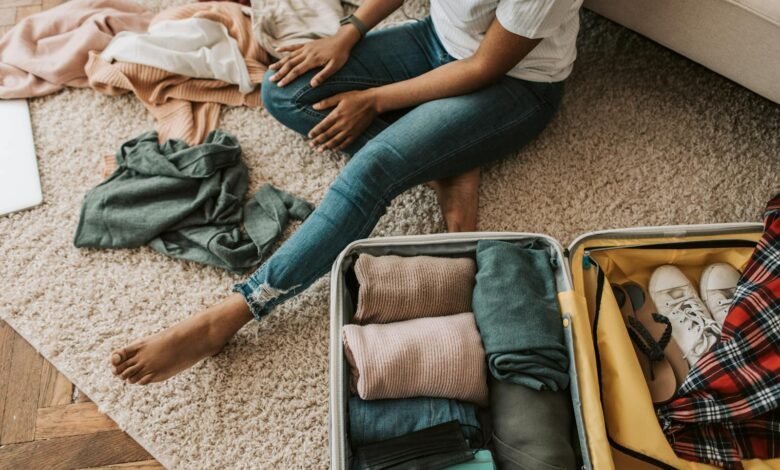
point(46, 423)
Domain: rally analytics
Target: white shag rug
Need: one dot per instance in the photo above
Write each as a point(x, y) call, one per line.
point(644, 137)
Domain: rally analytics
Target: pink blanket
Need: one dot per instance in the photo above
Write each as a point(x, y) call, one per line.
point(424, 357)
point(47, 51)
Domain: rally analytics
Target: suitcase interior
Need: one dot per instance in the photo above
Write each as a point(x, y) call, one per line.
point(615, 419)
point(611, 383)
point(343, 298)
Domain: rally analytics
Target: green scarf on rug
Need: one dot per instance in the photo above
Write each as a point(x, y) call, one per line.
point(186, 202)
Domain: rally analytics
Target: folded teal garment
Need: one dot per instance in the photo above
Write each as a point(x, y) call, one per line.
point(516, 308)
point(186, 202)
point(379, 420)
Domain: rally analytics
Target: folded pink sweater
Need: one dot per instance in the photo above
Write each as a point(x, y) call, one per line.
point(47, 51)
point(424, 357)
point(394, 288)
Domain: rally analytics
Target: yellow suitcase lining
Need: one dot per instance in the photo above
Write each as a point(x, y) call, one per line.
point(611, 383)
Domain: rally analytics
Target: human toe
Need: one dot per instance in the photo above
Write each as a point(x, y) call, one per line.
point(130, 371)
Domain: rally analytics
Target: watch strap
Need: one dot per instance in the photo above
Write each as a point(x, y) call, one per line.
point(355, 21)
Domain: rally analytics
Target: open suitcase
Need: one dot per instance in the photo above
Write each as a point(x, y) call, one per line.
point(616, 423)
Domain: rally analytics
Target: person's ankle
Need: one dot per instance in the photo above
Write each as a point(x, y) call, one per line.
point(224, 320)
point(455, 225)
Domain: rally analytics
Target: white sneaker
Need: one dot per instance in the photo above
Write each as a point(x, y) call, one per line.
point(693, 328)
point(718, 286)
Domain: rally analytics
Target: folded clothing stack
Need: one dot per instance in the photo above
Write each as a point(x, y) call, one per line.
point(416, 361)
point(516, 308)
point(378, 420)
point(417, 335)
point(419, 357)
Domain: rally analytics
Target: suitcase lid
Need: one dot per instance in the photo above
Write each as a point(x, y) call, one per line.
point(662, 237)
point(623, 237)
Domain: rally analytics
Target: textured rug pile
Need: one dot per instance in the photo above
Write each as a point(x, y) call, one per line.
point(644, 137)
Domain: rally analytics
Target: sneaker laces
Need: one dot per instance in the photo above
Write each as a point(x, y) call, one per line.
point(690, 314)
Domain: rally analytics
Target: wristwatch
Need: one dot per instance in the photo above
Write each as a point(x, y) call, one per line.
point(355, 21)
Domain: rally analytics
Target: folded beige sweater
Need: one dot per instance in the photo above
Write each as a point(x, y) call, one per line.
point(394, 288)
point(46, 52)
point(185, 108)
point(424, 357)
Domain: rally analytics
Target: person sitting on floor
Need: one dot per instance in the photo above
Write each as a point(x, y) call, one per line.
point(429, 100)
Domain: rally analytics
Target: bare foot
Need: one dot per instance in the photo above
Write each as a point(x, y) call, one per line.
point(459, 200)
point(161, 356)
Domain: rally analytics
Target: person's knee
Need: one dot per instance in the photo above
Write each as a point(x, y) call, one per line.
point(373, 177)
point(280, 101)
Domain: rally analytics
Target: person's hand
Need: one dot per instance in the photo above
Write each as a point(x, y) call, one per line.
point(352, 113)
point(330, 53)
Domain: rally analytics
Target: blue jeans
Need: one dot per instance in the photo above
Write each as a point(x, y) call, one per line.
point(379, 420)
point(400, 150)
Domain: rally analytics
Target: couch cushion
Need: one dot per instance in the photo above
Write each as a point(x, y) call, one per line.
point(769, 9)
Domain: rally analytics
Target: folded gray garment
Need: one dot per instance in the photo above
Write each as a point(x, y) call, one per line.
point(187, 202)
point(531, 428)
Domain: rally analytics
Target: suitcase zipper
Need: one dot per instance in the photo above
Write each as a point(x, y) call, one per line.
point(680, 245)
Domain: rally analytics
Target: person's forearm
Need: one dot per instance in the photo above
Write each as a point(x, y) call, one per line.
point(371, 12)
point(498, 53)
point(455, 78)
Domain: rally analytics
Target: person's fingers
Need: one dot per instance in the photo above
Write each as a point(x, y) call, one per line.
point(280, 62)
point(327, 102)
point(290, 48)
point(323, 126)
point(325, 136)
point(289, 65)
point(344, 143)
point(327, 71)
point(296, 72)
point(286, 59)
point(335, 141)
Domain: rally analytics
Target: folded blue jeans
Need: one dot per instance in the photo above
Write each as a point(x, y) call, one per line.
point(400, 150)
point(379, 420)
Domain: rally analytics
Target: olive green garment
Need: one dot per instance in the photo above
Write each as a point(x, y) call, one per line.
point(532, 429)
point(186, 202)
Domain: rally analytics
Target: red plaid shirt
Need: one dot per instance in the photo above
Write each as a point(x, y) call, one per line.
point(728, 408)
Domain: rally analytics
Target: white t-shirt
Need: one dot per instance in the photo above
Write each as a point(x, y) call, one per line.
point(461, 26)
